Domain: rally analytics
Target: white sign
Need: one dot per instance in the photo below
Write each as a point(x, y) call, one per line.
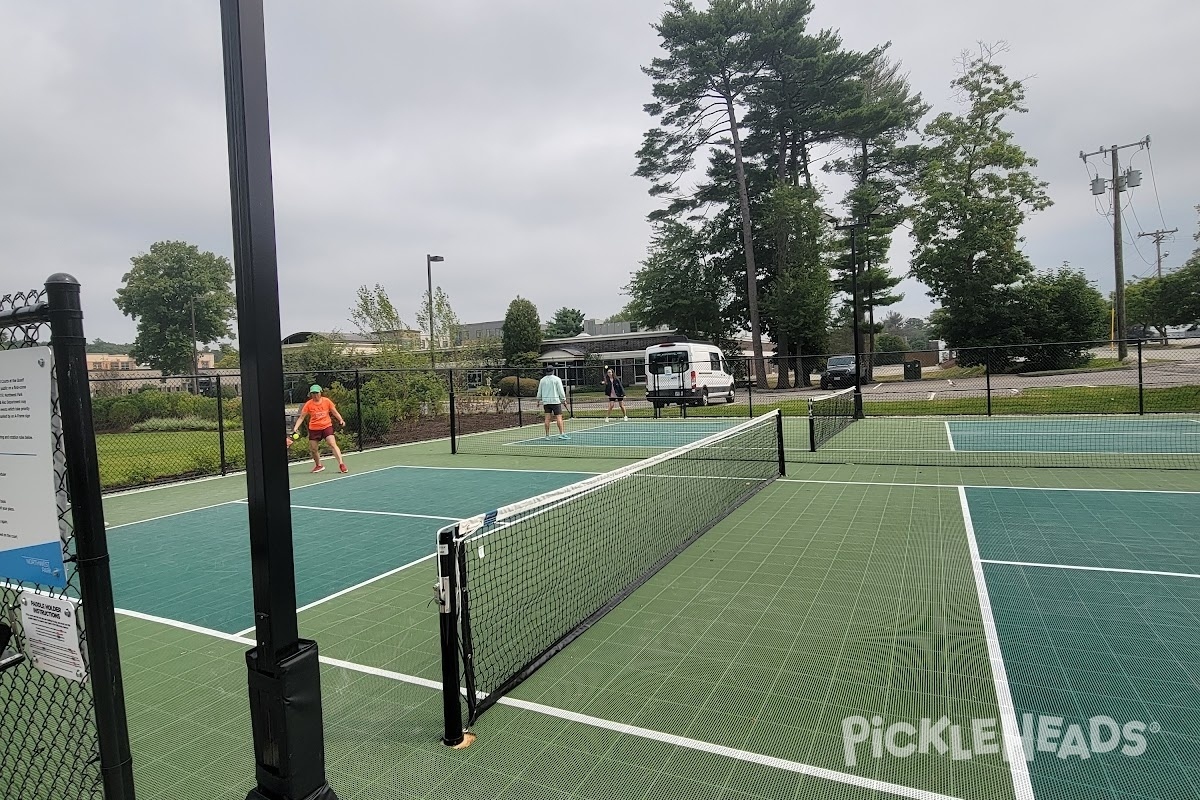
point(30, 544)
point(51, 635)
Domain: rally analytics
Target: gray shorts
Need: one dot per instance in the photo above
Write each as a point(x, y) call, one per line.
point(554, 409)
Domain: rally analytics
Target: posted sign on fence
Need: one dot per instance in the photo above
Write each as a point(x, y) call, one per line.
point(30, 544)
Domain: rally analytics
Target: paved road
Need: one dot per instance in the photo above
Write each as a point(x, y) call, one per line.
point(1175, 366)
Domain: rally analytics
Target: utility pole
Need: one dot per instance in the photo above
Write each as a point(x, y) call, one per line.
point(1131, 179)
point(1159, 237)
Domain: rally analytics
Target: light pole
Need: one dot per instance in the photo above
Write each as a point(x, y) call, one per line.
point(853, 228)
point(429, 277)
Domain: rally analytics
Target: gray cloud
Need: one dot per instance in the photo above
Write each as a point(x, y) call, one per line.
point(499, 134)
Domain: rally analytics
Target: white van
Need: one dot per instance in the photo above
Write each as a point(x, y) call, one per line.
point(687, 373)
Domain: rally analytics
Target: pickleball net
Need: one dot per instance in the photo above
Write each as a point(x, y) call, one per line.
point(518, 584)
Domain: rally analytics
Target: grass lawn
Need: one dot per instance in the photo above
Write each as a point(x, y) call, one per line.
point(137, 459)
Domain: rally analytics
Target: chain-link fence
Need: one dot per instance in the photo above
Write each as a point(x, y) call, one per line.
point(62, 716)
point(158, 428)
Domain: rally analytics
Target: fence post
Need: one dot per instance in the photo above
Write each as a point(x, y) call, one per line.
point(358, 408)
point(221, 424)
point(987, 376)
point(1141, 382)
point(91, 541)
point(520, 418)
point(453, 415)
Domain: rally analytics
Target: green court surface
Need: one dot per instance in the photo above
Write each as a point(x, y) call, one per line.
point(1082, 435)
point(888, 594)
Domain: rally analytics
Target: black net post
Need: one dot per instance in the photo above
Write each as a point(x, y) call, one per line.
point(447, 600)
point(750, 396)
point(987, 378)
point(221, 423)
point(91, 541)
point(812, 429)
point(782, 452)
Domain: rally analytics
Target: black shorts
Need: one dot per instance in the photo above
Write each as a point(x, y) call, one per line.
point(554, 409)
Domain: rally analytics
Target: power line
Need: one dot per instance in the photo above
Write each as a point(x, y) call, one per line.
point(1154, 183)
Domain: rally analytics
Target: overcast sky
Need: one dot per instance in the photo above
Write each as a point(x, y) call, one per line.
point(501, 135)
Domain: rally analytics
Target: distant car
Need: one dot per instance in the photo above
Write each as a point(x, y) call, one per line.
point(839, 373)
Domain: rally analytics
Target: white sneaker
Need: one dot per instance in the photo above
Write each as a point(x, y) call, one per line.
point(624, 419)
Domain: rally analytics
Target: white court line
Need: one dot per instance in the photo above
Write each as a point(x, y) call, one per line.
point(1091, 569)
point(604, 724)
point(1010, 452)
point(243, 500)
point(949, 436)
point(375, 513)
point(1050, 432)
point(1013, 744)
point(172, 514)
point(931, 395)
point(187, 626)
point(349, 589)
point(984, 486)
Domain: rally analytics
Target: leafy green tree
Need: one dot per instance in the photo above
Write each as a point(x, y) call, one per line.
point(973, 192)
point(375, 316)
point(713, 59)
point(228, 357)
point(101, 346)
point(1147, 305)
point(796, 303)
point(624, 315)
point(567, 322)
point(677, 286)
point(160, 292)
point(891, 348)
point(522, 332)
point(1061, 306)
point(446, 322)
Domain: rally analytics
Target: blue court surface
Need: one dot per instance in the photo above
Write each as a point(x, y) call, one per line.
point(194, 566)
point(1142, 434)
point(661, 434)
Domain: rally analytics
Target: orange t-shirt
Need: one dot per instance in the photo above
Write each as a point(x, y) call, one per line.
point(318, 413)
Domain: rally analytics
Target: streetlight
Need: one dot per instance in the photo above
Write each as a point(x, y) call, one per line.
point(853, 227)
point(429, 276)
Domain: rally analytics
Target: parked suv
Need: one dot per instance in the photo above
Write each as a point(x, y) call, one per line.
point(839, 373)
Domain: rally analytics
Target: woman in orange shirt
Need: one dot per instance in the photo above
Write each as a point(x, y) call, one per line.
point(318, 410)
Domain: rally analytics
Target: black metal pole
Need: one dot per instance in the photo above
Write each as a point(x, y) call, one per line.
point(987, 377)
point(447, 588)
point(453, 416)
point(358, 407)
point(520, 417)
point(221, 424)
point(1141, 382)
point(782, 451)
point(858, 407)
point(91, 541)
point(283, 671)
point(750, 393)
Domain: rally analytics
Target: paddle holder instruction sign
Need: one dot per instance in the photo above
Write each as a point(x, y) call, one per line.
point(30, 543)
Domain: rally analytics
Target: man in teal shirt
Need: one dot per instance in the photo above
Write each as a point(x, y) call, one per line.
point(552, 396)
